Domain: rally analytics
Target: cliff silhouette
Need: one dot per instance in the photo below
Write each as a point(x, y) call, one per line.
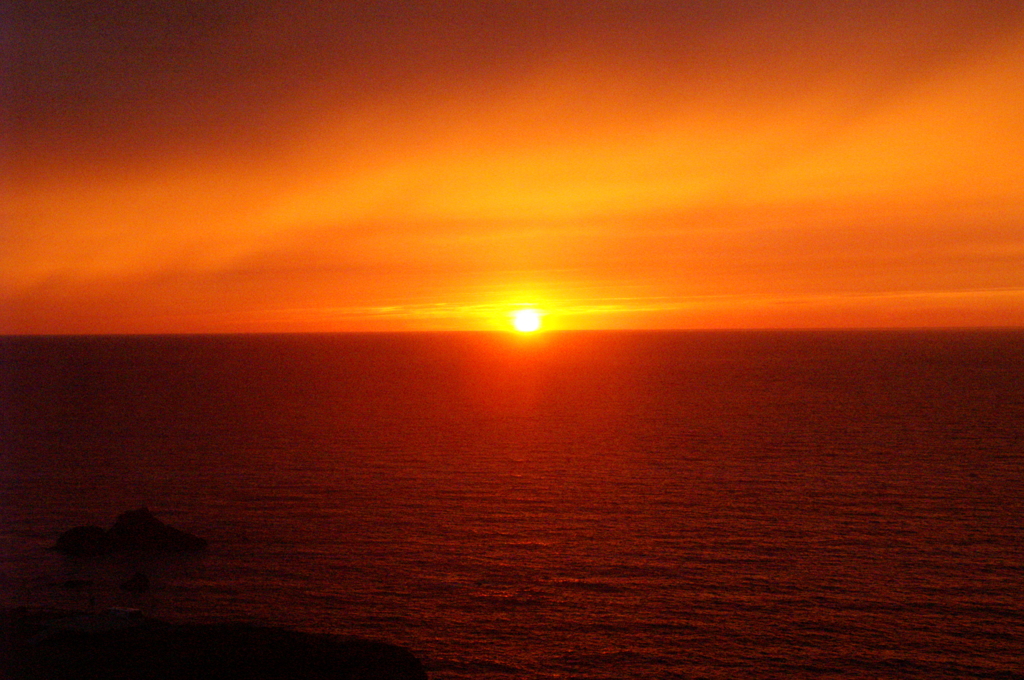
point(121, 643)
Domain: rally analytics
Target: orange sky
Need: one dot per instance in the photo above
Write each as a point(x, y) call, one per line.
point(302, 166)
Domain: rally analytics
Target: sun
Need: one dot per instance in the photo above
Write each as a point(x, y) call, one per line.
point(526, 320)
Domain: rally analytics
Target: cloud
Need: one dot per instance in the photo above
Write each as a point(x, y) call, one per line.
point(226, 159)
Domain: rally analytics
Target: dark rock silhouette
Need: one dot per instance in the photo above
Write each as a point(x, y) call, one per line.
point(82, 586)
point(76, 584)
point(133, 530)
point(112, 645)
point(82, 542)
point(140, 530)
point(138, 583)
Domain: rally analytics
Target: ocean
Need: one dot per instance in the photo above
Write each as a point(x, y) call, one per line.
point(585, 505)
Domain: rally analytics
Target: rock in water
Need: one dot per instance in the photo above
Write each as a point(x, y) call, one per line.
point(133, 530)
point(138, 583)
point(83, 542)
point(140, 530)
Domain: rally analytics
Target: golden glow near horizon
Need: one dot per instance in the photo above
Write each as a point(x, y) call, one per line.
point(647, 165)
point(526, 320)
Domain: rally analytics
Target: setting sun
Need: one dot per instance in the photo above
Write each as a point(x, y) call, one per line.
point(526, 320)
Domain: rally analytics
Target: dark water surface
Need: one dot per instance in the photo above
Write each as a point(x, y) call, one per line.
point(572, 505)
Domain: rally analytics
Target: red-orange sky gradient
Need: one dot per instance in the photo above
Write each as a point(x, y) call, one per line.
point(301, 166)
